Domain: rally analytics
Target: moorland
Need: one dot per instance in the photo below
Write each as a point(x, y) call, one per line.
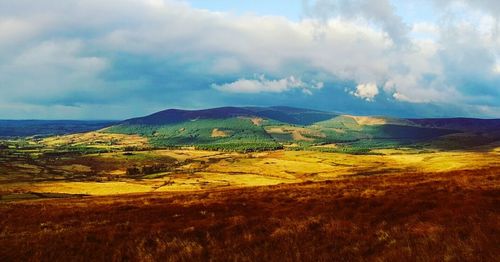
point(252, 184)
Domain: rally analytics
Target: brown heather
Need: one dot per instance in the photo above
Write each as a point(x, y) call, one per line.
point(441, 216)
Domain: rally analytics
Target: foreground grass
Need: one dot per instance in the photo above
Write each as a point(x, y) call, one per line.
point(431, 216)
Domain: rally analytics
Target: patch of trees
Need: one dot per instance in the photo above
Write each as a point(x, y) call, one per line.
point(241, 147)
point(149, 169)
point(243, 135)
point(131, 148)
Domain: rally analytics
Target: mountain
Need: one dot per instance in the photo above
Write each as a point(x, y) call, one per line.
point(459, 123)
point(284, 114)
point(262, 128)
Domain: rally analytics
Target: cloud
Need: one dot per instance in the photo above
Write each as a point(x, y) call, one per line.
point(366, 91)
point(401, 97)
point(496, 69)
point(261, 84)
point(380, 12)
point(488, 6)
point(112, 53)
point(50, 71)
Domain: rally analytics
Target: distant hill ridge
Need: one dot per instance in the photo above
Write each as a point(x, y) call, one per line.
point(302, 116)
point(284, 114)
point(269, 128)
point(459, 123)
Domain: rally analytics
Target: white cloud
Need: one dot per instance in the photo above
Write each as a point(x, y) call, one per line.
point(496, 68)
point(225, 65)
point(234, 44)
point(53, 48)
point(50, 71)
point(401, 97)
point(380, 12)
point(488, 6)
point(262, 84)
point(366, 91)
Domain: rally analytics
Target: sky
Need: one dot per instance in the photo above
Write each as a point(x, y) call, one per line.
point(116, 59)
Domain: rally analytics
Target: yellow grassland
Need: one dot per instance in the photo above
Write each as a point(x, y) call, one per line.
point(364, 120)
point(209, 169)
point(97, 139)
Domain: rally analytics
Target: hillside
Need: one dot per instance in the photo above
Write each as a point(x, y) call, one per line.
point(283, 114)
point(460, 123)
point(264, 128)
point(22, 128)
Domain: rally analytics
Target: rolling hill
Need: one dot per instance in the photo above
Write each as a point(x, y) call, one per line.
point(23, 128)
point(279, 113)
point(265, 128)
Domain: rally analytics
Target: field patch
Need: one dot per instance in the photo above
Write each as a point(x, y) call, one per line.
point(98, 140)
point(219, 133)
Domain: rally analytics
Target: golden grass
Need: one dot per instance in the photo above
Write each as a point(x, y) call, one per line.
point(97, 139)
point(208, 169)
point(433, 216)
point(370, 120)
point(219, 133)
point(399, 205)
point(332, 145)
point(365, 120)
point(91, 188)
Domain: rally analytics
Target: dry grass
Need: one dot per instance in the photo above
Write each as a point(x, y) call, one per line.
point(105, 174)
point(370, 120)
point(432, 216)
point(97, 139)
point(219, 133)
point(327, 146)
point(366, 120)
point(297, 133)
point(255, 120)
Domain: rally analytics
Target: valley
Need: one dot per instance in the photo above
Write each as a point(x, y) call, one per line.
point(105, 164)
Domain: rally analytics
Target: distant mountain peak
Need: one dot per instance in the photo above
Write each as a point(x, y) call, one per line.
point(279, 113)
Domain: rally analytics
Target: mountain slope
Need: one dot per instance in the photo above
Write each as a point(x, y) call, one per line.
point(262, 128)
point(23, 128)
point(460, 123)
point(283, 114)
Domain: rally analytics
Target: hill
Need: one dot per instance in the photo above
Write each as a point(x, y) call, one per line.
point(264, 128)
point(22, 128)
point(460, 123)
point(284, 114)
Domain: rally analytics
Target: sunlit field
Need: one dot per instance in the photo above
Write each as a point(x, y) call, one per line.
point(44, 167)
point(116, 198)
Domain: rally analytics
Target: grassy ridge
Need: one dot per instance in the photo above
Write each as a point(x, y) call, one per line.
point(257, 129)
point(236, 134)
point(241, 134)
